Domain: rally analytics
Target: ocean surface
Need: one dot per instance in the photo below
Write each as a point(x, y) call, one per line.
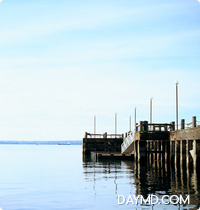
point(51, 177)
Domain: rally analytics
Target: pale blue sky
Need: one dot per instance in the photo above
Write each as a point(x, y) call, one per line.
point(62, 62)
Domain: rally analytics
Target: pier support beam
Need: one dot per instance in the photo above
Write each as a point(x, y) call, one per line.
point(141, 153)
point(182, 152)
point(135, 150)
point(172, 151)
point(177, 152)
point(195, 153)
point(166, 151)
point(188, 155)
point(175, 155)
point(158, 154)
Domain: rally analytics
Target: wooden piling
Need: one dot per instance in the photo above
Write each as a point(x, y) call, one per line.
point(195, 153)
point(194, 122)
point(182, 124)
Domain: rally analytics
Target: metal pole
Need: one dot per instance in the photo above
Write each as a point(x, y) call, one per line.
point(94, 124)
point(130, 123)
point(177, 105)
point(135, 119)
point(115, 123)
point(151, 110)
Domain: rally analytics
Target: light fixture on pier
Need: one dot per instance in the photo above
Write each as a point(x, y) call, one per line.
point(151, 99)
point(94, 124)
point(177, 104)
point(135, 119)
point(115, 123)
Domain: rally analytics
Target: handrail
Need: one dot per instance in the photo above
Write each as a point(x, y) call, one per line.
point(127, 142)
point(105, 135)
point(154, 126)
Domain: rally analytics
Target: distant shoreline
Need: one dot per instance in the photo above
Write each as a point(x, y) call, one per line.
point(77, 142)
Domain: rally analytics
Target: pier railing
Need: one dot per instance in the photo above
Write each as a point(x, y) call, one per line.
point(190, 125)
point(103, 136)
point(127, 142)
point(159, 127)
point(145, 126)
point(193, 124)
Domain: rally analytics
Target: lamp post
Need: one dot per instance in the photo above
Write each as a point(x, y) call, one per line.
point(94, 124)
point(135, 119)
point(177, 105)
point(151, 99)
point(115, 123)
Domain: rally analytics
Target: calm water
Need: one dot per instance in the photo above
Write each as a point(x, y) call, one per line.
point(53, 177)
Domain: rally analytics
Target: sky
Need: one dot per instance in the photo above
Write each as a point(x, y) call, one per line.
point(62, 62)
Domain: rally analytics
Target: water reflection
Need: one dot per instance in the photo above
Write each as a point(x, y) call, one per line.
point(155, 176)
point(104, 170)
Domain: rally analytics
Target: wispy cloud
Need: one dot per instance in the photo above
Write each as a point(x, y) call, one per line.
point(58, 68)
point(90, 18)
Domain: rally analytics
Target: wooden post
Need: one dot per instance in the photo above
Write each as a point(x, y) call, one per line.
point(167, 145)
point(195, 153)
point(173, 126)
point(194, 122)
point(141, 151)
point(171, 150)
point(135, 150)
point(147, 145)
point(145, 125)
point(150, 158)
point(138, 151)
point(86, 135)
point(158, 149)
point(181, 151)
point(187, 154)
point(136, 129)
point(161, 146)
point(182, 124)
point(198, 149)
point(105, 135)
point(175, 158)
point(141, 125)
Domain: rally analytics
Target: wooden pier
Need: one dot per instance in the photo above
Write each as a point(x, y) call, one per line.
point(163, 158)
point(151, 138)
point(102, 143)
point(155, 142)
point(185, 144)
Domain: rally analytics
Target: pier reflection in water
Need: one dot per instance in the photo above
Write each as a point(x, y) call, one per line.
point(156, 176)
